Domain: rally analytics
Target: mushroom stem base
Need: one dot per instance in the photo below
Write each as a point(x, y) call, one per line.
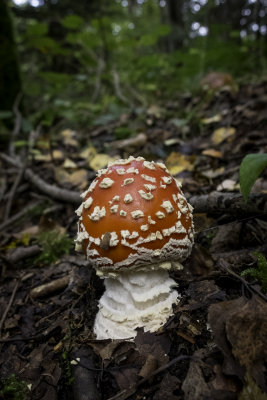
point(135, 300)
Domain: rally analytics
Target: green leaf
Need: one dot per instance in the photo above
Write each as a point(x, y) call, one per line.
point(251, 167)
point(37, 29)
point(72, 22)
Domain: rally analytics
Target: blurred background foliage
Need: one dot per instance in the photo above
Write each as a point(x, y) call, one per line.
point(85, 62)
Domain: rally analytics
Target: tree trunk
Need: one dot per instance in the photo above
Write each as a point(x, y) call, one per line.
point(10, 82)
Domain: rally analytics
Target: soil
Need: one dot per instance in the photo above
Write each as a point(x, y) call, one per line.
point(214, 345)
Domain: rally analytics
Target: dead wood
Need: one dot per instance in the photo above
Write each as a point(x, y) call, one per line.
point(229, 203)
point(21, 253)
point(56, 193)
point(84, 385)
point(50, 287)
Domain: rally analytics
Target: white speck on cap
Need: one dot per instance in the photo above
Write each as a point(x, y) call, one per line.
point(137, 214)
point(106, 183)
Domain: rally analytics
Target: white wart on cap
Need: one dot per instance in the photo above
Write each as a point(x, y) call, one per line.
point(134, 214)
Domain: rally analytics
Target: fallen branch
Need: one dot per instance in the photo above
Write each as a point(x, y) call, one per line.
point(50, 287)
point(9, 305)
point(56, 193)
point(229, 203)
point(126, 393)
point(19, 215)
point(214, 203)
point(223, 265)
point(22, 253)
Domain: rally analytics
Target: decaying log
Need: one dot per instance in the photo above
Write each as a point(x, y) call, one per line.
point(229, 203)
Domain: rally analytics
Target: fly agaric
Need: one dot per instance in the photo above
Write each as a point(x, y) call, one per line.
point(134, 225)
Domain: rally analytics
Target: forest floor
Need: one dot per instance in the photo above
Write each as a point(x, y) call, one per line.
point(214, 346)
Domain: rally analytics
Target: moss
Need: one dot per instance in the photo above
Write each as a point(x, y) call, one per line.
point(13, 388)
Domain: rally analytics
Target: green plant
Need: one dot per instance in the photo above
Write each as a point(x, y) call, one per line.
point(259, 273)
point(13, 388)
point(251, 167)
point(54, 245)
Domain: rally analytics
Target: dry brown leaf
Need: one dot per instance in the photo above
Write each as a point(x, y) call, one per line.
point(228, 185)
point(240, 330)
point(212, 153)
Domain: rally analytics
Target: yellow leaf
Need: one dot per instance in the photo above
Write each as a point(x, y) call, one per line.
point(69, 137)
point(79, 178)
point(212, 153)
point(177, 163)
point(100, 161)
point(68, 163)
point(219, 135)
point(211, 120)
point(88, 153)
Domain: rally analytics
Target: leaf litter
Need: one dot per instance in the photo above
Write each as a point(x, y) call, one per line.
point(214, 346)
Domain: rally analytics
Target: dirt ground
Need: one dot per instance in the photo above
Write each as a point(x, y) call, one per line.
point(214, 345)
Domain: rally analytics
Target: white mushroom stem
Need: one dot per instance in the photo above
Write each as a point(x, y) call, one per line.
point(135, 299)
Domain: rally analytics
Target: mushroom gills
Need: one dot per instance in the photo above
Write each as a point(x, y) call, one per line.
point(135, 299)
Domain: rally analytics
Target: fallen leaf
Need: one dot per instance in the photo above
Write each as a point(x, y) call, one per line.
point(229, 185)
point(212, 153)
point(89, 153)
point(251, 391)
point(177, 163)
point(168, 385)
point(76, 179)
point(211, 120)
point(68, 163)
point(154, 111)
point(69, 137)
point(213, 173)
point(221, 134)
point(240, 331)
point(100, 161)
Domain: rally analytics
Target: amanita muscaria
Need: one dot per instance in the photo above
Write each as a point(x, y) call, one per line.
point(134, 225)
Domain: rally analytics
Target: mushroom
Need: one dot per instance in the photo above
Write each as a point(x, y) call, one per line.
point(134, 226)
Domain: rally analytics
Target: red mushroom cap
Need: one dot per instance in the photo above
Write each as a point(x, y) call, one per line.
point(134, 214)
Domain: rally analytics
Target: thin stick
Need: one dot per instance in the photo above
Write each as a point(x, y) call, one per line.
point(20, 214)
point(13, 192)
point(17, 125)
point(9, 305)
point(124, 394)
point(223, 265)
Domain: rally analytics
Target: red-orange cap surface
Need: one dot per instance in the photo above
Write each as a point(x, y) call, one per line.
point(134, 214)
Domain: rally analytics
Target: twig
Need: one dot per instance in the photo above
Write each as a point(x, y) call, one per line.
point(17, 126)
point(51, 287)
point(9, 305)
point(124, 394)
point(224, 266)
point(99, 71)
point(20, 214)
point(52, 191)
point(13, 192)
point(21, 253)
point(117, 87)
